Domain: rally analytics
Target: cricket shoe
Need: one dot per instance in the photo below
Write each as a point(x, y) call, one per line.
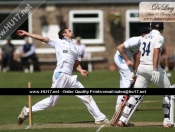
point(168, 125)
point(121, 124)
point(22, 116)
point(105, 121)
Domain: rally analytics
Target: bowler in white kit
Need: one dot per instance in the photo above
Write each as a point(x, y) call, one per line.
point(67, 57)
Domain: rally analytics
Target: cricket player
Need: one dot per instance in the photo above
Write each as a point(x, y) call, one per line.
point(149, 70)
point(67, 57)
point(123, 59)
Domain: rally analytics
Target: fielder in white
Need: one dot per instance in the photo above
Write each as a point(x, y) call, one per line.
point(148, 71)
point(67, 57)
point(123, 59)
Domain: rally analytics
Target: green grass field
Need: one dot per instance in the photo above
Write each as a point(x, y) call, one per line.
point(70, 114)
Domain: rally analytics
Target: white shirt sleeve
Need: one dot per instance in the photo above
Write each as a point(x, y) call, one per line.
point(53, 41)
point(159, 43)
point(31, 51)
point(132, 42)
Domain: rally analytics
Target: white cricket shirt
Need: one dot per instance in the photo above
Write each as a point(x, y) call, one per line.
point(66, 54)
point(131, 46)
point(152, 40)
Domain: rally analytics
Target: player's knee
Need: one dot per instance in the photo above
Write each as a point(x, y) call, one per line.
point(134, 99)
point(166, 106)
point(127, 110)
point(85, 98)
point(52, 101)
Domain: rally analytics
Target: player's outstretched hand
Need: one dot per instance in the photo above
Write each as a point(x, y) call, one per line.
point(21, 32)
point(84, 72)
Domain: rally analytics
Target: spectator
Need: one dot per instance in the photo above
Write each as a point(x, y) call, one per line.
point(81, 47)
point(27, 52)
point(164, 58)
point(7, 55)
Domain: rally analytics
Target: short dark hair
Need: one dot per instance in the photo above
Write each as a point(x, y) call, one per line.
point(61, 32)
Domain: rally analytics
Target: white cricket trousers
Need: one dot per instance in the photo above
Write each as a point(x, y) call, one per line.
point(144, 74)
point(68, 81)
point(124, 71)
point(143, 80)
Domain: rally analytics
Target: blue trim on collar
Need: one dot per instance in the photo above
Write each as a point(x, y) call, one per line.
point(66, 40)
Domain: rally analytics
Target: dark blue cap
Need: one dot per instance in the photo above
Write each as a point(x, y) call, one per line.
point(144, 30)
point(157, 25)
